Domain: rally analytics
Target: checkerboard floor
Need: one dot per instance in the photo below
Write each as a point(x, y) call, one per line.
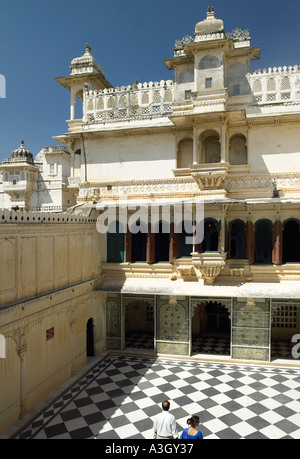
point(119, 397)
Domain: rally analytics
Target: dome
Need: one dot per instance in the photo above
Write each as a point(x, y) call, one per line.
point(22, 153)
point(210, 24)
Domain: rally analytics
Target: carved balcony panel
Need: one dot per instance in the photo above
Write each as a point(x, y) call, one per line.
point(209, 265)
point(210, 176)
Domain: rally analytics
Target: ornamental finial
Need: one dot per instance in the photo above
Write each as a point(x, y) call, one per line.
point(87, 49)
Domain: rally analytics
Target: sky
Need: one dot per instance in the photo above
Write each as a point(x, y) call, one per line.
point(129, 39)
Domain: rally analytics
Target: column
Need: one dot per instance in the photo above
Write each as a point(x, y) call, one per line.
point(277, 243)
point(72, 323)
point(22, 348)
point(174, 244)
point(128, 245)
point(150, 253)
point(223, 143)
point(250, 242)
point(195, 144)
point(72, 107)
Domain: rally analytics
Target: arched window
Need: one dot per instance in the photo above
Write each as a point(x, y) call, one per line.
point(263, 241)
point(291, 241)
point(285, 83)
point(185, 154)
point(212, 150)
point(187, 76)
point(209, 62)
point(271, 84)
point(115, 243)
point(257, 86)
point(185, 235)
point(237, 239)
point(162, 238)
point(139, 244)
point(237, 150)
point(210, 241)
point(211, 147)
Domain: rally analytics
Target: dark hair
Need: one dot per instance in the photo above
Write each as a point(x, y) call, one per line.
point(193, 421)
point(166, 405)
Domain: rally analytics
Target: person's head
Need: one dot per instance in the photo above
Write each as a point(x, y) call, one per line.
point(166, 405)
point(193, 421)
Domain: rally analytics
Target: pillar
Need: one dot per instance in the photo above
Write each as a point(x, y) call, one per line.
point(174, 244)
point(150, 245)
point(195, 145)
point(250, 242)
point(72, 107)
point(22, 348)
point(223, 143)
point(277, 243)
point(128, 245)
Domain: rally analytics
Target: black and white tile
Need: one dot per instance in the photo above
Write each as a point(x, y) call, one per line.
point(120, 396)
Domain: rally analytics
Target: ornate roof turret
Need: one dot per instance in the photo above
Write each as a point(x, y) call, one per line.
point(22, 153)
point(210, 26)
point(85, 64)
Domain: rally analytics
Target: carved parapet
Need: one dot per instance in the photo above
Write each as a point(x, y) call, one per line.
point(74, 182)
point(209, 265)
point(186, 272)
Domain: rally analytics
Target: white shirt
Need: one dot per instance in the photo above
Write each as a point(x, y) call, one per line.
point(165, 425)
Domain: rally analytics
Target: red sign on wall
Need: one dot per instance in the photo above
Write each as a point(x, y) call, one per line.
point(49, 333)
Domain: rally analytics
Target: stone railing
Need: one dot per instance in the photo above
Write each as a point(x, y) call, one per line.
point(139, 101)
point(15, 216)
point(275, 85)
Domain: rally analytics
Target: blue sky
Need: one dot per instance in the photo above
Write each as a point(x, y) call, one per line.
point(129, 39)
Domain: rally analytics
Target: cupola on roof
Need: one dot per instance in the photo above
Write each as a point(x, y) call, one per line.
point(210, 25)
point(22, 153)
point(85, 63)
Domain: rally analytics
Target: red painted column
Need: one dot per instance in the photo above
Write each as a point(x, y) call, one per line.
point(128, 245)
point(250, 242)
point(277, 243)
point(174, 244)
point(150, 245)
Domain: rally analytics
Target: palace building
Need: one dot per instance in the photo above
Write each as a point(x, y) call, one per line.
point(96, 235)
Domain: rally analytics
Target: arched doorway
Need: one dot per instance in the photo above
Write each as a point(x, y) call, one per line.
point(211, 236)
point(263, 241)
point(162, 241)
point(291, 241)
point(90, 352)
point(211, 328)
point(139, 324)
point(237, 239)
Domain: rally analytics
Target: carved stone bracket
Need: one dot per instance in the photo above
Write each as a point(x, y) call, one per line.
point(209, 265)
point(210, 176)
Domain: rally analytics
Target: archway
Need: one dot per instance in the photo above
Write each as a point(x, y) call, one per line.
point(238, 150)
point(237, 239)
point(139, 324)
point(211, 236)
point(291, 241)
point(263, 241)
point(211, 147)
point(90, 352)
point(211, 328)
point(162, 242)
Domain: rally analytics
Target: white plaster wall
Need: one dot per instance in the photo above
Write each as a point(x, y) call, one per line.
point(216, 73)
point(131, 157)
point(274, 148)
